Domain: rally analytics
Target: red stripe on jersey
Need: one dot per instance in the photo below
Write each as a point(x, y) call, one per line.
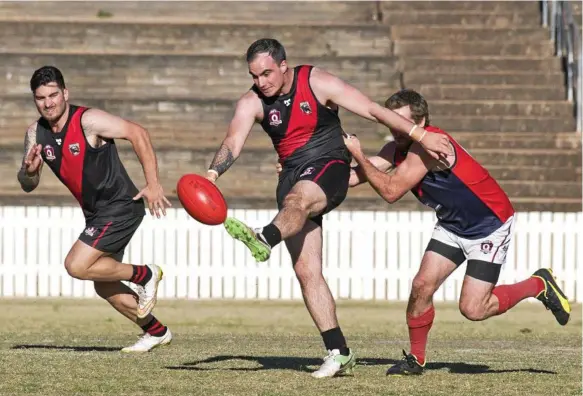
point(73, 156)
point(303, 117)
point(478, 180)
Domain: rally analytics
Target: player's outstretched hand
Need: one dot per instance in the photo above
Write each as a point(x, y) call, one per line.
point(436, 145)
point(33, 160)
point(157, 202)
point(353, 144)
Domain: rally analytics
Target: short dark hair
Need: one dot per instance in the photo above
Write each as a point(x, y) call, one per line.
point(46, 75)
point(413, 99)
point(269, 46)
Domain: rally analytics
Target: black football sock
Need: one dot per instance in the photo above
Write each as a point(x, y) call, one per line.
point(334, 339)
point(271, 234)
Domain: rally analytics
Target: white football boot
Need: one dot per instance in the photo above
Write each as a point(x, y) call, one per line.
point(148, 293)
point(335, 363)
point(147, 342)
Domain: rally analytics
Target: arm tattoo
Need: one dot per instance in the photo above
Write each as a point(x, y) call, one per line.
point(223, 160)
point(28, 182)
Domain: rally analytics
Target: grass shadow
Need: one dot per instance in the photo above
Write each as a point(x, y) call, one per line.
point(302, 364)
point(68, 348)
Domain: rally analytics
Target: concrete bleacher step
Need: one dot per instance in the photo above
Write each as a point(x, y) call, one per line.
point(517, 140)
point(461, 17)
point(477, 64)
point(428, 47)
point(554, 158)
point(180, 76)
point(547, 79)
point(534, 108)
point(536, 174)
point(474, 92)
point(494, 7)
point(195, 39)
point(515, 34)
point(503, 123)
point(260, 11)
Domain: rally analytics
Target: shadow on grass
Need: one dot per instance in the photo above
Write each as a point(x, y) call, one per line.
point(302, 364)
point(68, 348)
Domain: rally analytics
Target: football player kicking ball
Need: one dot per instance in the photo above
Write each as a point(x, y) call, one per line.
point(475, 222)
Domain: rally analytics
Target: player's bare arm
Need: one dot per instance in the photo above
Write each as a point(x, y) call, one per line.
point(32, 162)
point(98, 123)
point(383, 161)
point(329, 88)
point(247, 112)
point(408, 174)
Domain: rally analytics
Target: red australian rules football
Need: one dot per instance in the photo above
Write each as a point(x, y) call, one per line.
point(201, 199)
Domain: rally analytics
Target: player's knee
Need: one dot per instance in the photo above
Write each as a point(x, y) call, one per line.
point(75, 269)
point(295, 201)
point(472, 310)
point(306, 274)
point(422, 287)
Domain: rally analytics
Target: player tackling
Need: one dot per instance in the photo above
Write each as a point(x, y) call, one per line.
point(77, 143)
point(475, 222)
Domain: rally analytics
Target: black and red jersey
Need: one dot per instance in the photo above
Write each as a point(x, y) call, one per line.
point(95, 176)
point(466, 199)
point(300, 127)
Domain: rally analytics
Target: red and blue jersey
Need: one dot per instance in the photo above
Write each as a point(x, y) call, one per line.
point(467, 200)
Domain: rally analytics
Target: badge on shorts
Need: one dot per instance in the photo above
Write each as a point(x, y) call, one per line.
point(486, 247)
point(90, 231)
point(308, 171)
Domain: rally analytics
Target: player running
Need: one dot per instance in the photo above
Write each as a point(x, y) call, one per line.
point(475, 222)
point(298, 108)
point(78, 145)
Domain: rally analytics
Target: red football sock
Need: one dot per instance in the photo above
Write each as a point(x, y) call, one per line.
point(418, 330)
point(154, 328)
point(510, 295)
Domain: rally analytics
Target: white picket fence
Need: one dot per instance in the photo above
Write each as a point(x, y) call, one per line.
point(367, 255)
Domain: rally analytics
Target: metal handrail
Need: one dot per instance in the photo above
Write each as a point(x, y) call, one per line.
point(564, 32)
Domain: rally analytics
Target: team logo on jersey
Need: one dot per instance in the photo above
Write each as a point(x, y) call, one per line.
point(75, 149)
point(305, 106)
point(287, 102)
point(309, 170)
point(90, 231)
point(59, 141)
point(486, 247)
point(274, 118)
point(49, 152)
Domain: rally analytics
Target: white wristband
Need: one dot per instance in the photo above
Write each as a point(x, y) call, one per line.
point(412, 129)
point(213, 171)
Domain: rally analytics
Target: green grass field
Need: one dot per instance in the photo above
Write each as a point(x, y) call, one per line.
point(63, 347)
